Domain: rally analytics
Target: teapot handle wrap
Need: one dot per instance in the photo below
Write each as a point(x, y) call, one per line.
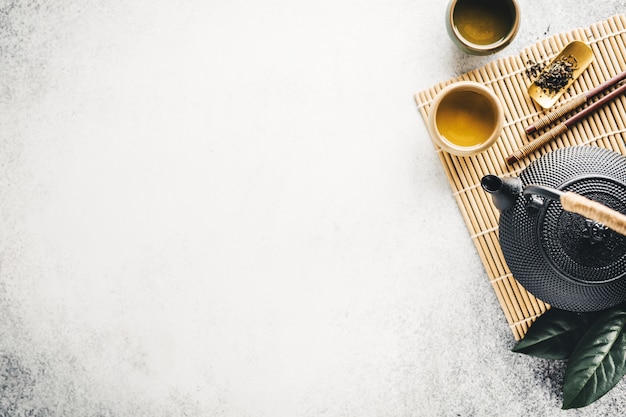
point(593, 210)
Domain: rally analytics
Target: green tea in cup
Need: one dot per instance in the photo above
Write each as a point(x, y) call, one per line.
point(482, 27)
point(465, 118)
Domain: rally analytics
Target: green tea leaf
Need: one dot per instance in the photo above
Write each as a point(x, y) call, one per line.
point(555, 334)
point(598, 362)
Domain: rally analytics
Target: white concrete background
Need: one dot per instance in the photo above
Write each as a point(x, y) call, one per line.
point(232, 208)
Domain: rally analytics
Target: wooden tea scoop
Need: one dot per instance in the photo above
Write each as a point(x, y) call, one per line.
point(563, 127)
point(579, 204)
point(577, 101)
point(578, 55)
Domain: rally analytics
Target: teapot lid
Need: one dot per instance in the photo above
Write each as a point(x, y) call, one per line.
point(562, 258)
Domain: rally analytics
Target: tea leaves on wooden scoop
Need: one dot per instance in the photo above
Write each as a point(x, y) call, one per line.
point(557, 75)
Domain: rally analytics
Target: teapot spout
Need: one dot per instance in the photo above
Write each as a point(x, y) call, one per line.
point(504, 190)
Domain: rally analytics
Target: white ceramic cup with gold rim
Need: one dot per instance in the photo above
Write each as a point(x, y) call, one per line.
point(465, 118)
point(482, 27)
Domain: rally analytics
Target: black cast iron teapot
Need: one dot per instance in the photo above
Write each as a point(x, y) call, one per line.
point(563, 227)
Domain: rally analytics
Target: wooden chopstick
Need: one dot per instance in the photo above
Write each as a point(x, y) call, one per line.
point(562, 127)
point(577, 101)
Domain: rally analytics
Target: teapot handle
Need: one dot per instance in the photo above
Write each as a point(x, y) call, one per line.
point(584, 206)
point(593, 210)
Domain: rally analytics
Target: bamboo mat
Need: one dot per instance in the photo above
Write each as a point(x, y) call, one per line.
point(506, 77)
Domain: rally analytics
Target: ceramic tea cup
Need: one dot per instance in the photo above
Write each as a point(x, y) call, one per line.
point(465, 118)
point(482, 27)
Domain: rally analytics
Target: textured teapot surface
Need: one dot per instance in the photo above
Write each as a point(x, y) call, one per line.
point(560, 257)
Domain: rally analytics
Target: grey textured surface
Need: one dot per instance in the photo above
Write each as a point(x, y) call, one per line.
point(232, 208)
